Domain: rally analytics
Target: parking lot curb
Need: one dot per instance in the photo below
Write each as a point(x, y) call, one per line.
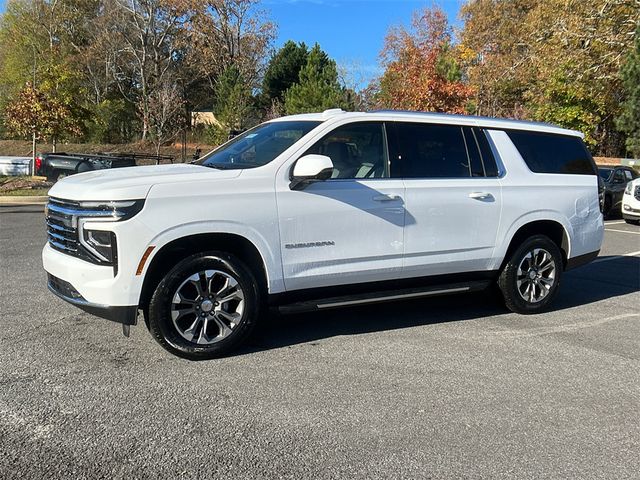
point(23, 200)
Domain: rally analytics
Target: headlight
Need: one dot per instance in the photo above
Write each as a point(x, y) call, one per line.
point(628, 189)
point(101, 243)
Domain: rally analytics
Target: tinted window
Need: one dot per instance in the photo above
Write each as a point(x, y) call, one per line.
point(618, 177)
point(627, 174)
point(257, 146)
point(477, 170)
point(489, 161)
point(604, 173)
point(429, 151)
point(357, 150)
point(549, 153)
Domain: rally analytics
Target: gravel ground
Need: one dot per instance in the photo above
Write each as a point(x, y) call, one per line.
point(454, 387)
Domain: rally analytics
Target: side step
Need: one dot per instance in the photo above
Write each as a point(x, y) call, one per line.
point(383, 296)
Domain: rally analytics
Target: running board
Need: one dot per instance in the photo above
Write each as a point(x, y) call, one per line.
point(383, 296)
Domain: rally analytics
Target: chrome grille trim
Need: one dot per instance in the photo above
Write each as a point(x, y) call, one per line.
point(637, 193)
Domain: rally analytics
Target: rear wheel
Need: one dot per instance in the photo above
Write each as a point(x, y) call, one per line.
point(530, 279)
point(205, 307)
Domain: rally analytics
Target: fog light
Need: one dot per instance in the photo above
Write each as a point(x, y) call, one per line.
point(626, 207)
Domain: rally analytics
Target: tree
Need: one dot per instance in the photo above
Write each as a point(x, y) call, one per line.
point(629, 120)
point(166, 112)
point(233, 105)
point(34, 114)
point(421, 72)
point(35, 46)
point(495, 49)
point(554, 60)
point(283, 70)
point(318, 88)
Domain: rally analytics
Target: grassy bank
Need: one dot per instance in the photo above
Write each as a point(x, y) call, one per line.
point(22, 148)
point(23, 186)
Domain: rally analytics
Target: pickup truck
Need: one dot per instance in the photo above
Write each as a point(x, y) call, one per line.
point(57, 165)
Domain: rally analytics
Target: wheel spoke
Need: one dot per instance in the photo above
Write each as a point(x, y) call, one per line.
point(222, 326)
point(178, 313)
point(232, 317)
point(178, 299)
point(236, 295)
point(229, 286)
point(190, 332)
point(203, 338)
point(546, 282)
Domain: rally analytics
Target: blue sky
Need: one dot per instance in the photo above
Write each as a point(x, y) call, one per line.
point(350, 31)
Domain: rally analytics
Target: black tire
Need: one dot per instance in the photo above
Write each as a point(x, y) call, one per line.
point(56, 175)
point(632, 222)
point(166, 333)
point(508, 280)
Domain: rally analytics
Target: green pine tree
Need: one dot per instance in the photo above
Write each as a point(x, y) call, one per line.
point(318, 88)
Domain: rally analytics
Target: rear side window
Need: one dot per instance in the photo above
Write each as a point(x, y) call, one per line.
point(429, 151)
point(549, 153)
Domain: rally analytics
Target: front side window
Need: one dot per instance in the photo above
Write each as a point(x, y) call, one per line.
point(604, 173)
point(619, 177)
point(357, 150)
point(628, 174)
point(258, 146)
point(430, 151)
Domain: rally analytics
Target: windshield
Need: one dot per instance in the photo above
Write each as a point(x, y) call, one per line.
point(258, 146)
point(605, 173)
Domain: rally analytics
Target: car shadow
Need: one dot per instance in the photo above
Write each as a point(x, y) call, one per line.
point(609, 278)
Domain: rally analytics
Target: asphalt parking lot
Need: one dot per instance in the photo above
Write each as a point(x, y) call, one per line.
point(454, 387)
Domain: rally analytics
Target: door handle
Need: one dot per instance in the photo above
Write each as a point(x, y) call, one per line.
point(481, 196)
point(386, 198)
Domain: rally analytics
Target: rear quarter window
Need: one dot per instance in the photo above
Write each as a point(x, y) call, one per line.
point(550, 153)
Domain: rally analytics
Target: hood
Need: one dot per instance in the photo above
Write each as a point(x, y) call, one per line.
point(132, 182)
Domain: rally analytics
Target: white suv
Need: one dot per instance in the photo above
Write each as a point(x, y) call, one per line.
point(631, 202)
point(325, 210)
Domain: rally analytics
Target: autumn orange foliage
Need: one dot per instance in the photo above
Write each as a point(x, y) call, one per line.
point(418, 67)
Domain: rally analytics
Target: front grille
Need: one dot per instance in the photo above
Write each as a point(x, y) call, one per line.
point(62, 226)
point(637, 193)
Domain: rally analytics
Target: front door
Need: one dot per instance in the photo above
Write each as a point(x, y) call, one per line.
point(348, 229)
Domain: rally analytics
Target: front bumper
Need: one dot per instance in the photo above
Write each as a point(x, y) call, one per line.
point(126, 315)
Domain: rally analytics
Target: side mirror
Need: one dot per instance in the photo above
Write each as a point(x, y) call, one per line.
point(310, 168)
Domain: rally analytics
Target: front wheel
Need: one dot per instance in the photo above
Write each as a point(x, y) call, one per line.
point(205, 307)
point(632, 222)
point(530, 279)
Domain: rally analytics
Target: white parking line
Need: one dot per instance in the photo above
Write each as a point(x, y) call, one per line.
point(632, 254)
point(621, 231)
point(614, 222)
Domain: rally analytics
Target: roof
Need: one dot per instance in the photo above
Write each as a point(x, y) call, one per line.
point(487, 122)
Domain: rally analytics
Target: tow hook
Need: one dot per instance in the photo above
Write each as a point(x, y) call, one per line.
point(126, 329)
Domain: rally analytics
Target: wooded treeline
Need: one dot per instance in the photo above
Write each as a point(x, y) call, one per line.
point(112, 71)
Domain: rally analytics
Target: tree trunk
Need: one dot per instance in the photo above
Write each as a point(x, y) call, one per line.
point(33, 154)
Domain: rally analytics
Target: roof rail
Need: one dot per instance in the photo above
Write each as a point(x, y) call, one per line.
point(331, 112)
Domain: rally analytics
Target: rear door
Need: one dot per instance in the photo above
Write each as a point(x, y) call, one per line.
point(453, 197)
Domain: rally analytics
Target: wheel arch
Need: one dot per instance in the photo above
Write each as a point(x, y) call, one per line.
point(179, 248)
point(552, 228)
